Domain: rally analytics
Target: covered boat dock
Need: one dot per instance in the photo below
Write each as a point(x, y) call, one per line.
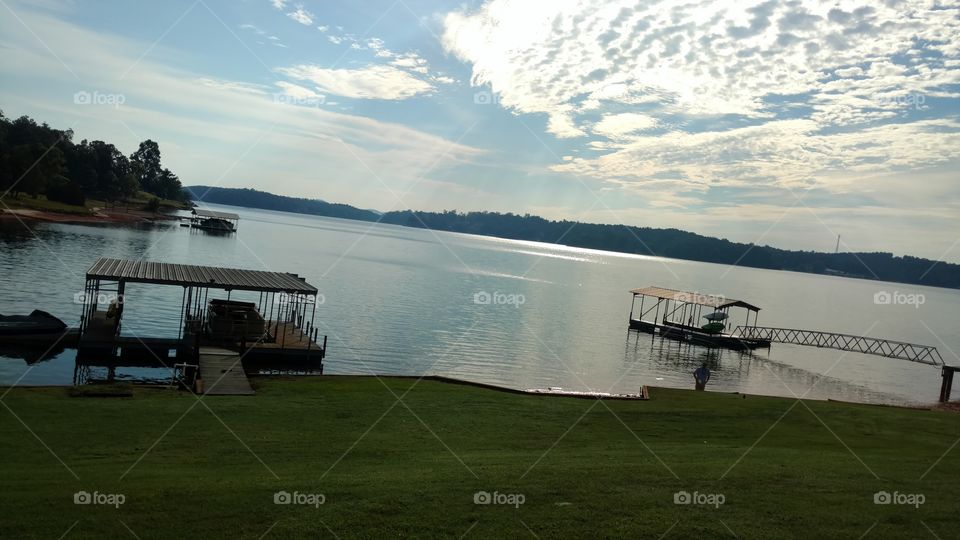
point(271, 328)
point(212, 220)
point(677, 314)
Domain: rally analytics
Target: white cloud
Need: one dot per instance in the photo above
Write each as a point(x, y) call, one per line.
point(336, 40)
point(410, 61)
point(323, 28)
point(278, 4)
point(650, 71)
point(301, 15)
point(619, 125)
point(371, 82)
point(297, 92)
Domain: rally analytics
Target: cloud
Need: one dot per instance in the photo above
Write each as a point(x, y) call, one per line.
point(215, 130)
point(278, 4)
point(298, 92)
point(301, 15)
point(709, 93)
point(410, 61)
point(371, 82)
point(620, 125)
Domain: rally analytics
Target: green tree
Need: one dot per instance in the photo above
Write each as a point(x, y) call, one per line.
point(146, 166)
point(168, 185)
point(34, 166)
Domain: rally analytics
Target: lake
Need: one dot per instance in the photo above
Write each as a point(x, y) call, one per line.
point(398, 300)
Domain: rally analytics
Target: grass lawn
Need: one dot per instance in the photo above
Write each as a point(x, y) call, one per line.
point(389, 468)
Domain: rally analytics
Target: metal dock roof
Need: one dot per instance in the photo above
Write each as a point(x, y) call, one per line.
point(214, 214)
point(709, 300)
point(187, 275)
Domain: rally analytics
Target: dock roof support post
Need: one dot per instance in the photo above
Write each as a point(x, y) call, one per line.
point(121, 288)
point(183, 307)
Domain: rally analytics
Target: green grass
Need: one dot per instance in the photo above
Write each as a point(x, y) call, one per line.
point(587, 469)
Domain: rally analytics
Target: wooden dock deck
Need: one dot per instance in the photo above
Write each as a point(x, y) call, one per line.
point(222, 373)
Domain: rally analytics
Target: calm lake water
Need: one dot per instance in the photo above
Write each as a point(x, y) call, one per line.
point(402, 301)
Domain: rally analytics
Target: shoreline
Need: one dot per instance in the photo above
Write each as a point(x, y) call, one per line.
point(647, 392)
point(98, 215)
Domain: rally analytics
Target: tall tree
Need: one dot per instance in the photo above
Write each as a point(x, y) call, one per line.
point(146, 165)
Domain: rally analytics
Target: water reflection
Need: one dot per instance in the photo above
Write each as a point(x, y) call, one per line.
point(30, 353)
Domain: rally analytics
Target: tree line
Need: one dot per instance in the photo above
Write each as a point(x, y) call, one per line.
point(672, 243)
point(677, 244)
point(38, 159)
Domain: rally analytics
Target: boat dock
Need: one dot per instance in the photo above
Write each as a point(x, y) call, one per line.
point(210, 220)
point(230, 321)
point(677, 314)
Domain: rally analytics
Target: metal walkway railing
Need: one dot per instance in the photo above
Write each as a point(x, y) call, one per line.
point(845, 342)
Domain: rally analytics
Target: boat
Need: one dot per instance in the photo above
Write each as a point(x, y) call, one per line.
point(37, 322)
point(235, 321)
point(37, 326)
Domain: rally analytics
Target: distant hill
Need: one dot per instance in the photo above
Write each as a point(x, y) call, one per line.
point(251, 198)
point(671, 243)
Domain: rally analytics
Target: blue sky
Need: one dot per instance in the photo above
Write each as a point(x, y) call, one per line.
point(781, 123)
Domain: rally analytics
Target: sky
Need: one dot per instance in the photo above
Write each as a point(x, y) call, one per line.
point(785, 123)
